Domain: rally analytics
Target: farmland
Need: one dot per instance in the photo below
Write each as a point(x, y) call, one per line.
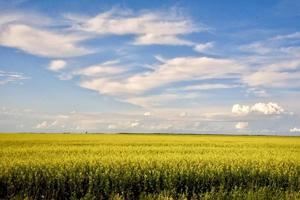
point(137, 166)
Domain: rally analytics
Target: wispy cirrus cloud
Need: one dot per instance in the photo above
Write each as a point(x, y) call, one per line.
point(27, 18)
point(275, 62)
point(170, 71)
point(105, 69)
point(41, 42)
point(208, 87)
point(41, 36)
point(148, 27)
point(11, 77)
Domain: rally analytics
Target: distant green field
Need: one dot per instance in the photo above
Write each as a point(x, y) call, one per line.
point(70, 166)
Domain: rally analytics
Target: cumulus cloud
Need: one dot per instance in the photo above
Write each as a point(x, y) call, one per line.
point(293, 130)
point(240, 109)
point(148, 27)
point(260, 108)
point(51, 124)
point(267, 108)
point(241, 125)
point(164, 120)
point(57, 65)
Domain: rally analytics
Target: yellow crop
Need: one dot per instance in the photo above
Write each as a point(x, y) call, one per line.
point(103, 166)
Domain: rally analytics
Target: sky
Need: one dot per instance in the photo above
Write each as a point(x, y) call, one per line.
point(199, 66)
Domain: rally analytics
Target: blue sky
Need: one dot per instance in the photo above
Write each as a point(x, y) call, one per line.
point(150, 66)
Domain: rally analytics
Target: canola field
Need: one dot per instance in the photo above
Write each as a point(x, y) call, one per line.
point(140, 166)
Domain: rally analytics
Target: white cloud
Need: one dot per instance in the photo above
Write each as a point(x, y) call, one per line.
point(293, 130)
point(11, 77)
point(160, 58)
point(267, 108)
point(171, 71)
point(111, 62)
point(241, 125)
point(295, 35)
point(42, 125)
point(57, 123)
point(161, 127)
point(134, 124)
point(259, 108)
point(150, 39)
point(271, 78)
point(164, 120)
point(257, 47)
point(28, 18)
point(158, 100)
point(202, 48)
point(183, 114)
point(208, 87)
point(132, 88)
point(257, 92)
point(147, 113)
point(63, 116)
point(283, 65)
point(149, 101)
point(100, 71)
point(111, 126)
point(149, 27)
point(41, 42)
point(15, 111)
point(57, 65)
point(274, 62)
point(240, 109)
point(65, 76)
point(54, 123)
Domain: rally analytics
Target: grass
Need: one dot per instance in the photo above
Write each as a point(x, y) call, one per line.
point(124, 166)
